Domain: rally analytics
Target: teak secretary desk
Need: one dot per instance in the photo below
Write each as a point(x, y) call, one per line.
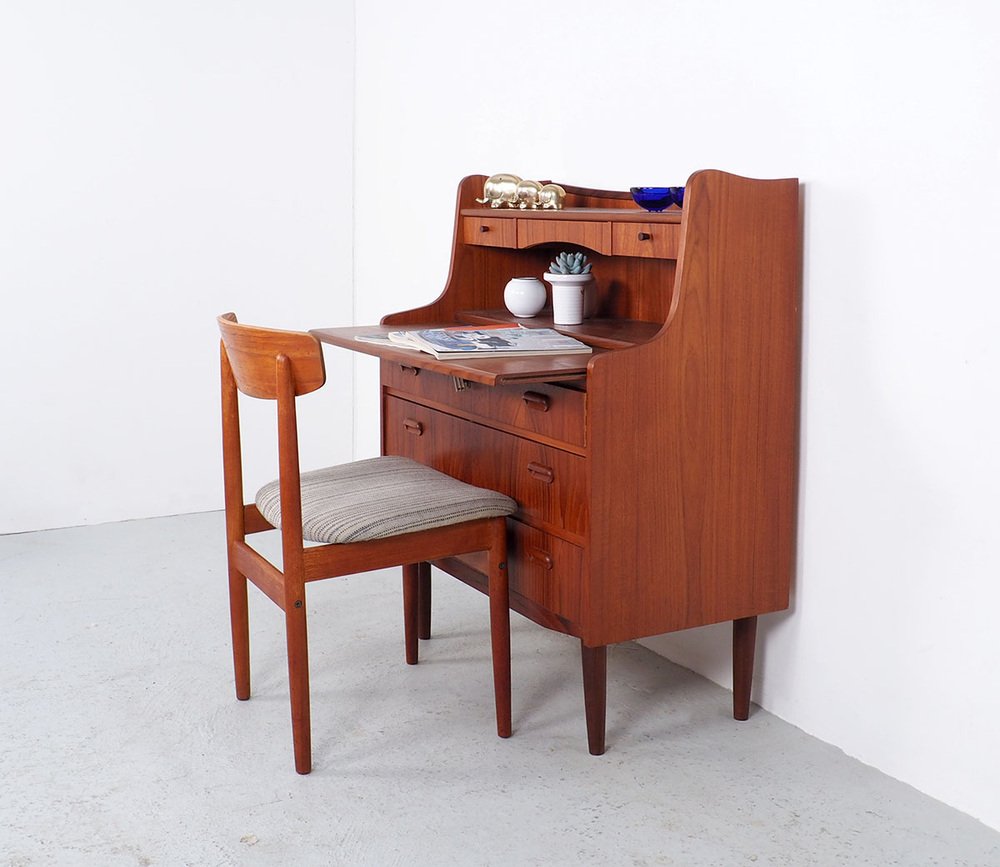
point(656, 478)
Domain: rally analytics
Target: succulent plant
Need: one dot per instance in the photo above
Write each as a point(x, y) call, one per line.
point(570, 263)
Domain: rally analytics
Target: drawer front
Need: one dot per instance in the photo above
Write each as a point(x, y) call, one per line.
point(536, 410)
point(489, 231)
point(546, 570)
point(651, 240)
point(548, 484)
point(595, 236)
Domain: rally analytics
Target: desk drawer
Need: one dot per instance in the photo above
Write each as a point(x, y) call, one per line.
point(489, 231)
point(546, 412)
point(546, 570)
point(593, 235)
point(548, 484)
point(650, 240)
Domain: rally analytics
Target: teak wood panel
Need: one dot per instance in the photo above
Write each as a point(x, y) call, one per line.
point(548, 413)
point(547, 579)
point(627, 287)
point(471, 568)
point(616, 206)
point(594, 236)
point(652, 240)
point(595, 332)
point(693, 480)
point(548, 484)
point(546, 570)
point(489, 231)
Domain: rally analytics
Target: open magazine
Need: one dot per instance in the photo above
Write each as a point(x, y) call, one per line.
point(491, 341)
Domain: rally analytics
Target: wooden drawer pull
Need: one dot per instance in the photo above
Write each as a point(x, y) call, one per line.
point(409, 369)
point(645, 236)
point(542, 558)
point(536, 401)
point(484, 228)
point(413, 427)
point(541, 472)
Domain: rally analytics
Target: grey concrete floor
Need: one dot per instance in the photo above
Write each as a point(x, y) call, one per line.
point(122, 743)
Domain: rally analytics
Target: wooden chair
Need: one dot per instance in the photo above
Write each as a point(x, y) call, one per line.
point(371, 514)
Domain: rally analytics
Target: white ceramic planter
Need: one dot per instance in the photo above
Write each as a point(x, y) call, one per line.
point(569, 297)
point(524, 296)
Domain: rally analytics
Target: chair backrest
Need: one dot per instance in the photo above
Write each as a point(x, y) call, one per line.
point(253, 355)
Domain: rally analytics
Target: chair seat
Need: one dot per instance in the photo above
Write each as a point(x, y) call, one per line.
point(381, 497)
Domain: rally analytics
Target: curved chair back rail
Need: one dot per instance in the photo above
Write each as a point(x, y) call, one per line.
point(253, 354)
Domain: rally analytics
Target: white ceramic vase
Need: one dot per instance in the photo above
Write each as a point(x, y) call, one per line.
point(524, 296)
point(570, 296)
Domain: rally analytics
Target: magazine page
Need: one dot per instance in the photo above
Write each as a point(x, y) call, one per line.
point(383, 339)
point(487, 340)
point(495, 341)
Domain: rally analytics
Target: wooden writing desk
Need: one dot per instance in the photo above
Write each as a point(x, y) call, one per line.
point(656, 478)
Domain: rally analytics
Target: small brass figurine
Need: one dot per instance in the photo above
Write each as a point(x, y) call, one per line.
point(500, 190)
point(510, 191)
point(551, 196)
point(527, 195)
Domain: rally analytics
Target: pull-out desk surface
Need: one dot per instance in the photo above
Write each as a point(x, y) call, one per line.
point(487, 371)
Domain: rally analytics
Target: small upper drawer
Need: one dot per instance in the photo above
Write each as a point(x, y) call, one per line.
point(489, 231)
point(538, 411)
point(652, 240)
point(593, 235)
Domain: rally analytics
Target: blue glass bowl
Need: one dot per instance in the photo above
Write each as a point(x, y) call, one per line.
point(653, 199)
point(656, 199)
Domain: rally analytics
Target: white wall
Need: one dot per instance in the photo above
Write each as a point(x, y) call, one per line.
point(161, 163)
point(887, 113)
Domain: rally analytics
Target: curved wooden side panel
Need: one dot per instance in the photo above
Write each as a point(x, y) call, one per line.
point(695, 487)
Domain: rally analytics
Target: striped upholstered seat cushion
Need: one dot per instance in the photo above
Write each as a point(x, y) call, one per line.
point(381, 497)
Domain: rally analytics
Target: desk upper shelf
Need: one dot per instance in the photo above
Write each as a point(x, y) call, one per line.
point(624, 214)
point(609, 231)
point(634, 254)
point(598, 332)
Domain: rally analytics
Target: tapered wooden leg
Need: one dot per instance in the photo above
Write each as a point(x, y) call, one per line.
point(744, 642)
point(411, 594)
point(500, 626)
point(298, 684)
point(240, 623)
point(424, 600)
point(595, 694)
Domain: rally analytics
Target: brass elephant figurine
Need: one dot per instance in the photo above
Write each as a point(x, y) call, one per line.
point(512, 192)
point(500, 190)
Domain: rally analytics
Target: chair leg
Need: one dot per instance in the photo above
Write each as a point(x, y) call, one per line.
point(424, 600)
point(240, 623)
point(411, 593)
point(500, 626)
point(298, 684)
